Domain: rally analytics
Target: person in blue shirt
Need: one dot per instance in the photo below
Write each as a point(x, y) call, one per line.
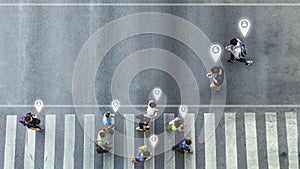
point(108, 120)
point(184, 146)
point(142, 155)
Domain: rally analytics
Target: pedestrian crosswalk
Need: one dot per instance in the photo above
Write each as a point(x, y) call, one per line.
point(170, 160)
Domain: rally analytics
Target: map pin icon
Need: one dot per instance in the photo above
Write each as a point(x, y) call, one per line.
point(115, 104)
point(215, 52)
point(156, 93)
point(183, 110)
point(38, 105)
point(244, 26)
point(153, 140)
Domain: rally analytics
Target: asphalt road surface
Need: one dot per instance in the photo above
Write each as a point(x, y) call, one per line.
point(42, 49)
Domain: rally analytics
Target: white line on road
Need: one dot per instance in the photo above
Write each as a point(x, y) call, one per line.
point(272, 140)
point(29, 152)
point(210, 141)
point(169, 142)
point(129, 142)
point(89, 131)
point(251, 141)
point(69, 141)
point(124, 106)
point(151, 163)
point(10, 141)
point(189, 126)
point(230, 139)
point(49, 153)
point(292, 139)
point(145, 4)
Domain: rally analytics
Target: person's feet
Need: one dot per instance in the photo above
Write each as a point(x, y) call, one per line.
point(230, 61)
point(249, 62)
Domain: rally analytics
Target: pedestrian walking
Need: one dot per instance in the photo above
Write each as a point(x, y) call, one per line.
point(183, 146)
point(108, 120)
point(238, 51)
point(175, 125)
point(142, 155)
point(144, 125)
point(102, 143)
point(31, 121)
point(217, 76)
point(151, 109)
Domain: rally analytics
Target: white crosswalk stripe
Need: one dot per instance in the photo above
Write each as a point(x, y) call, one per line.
point(230, 139)
point(190, 159)
point(169, 158)
point(129, 142)
point(89, 128)
point(10, 141)
point(210, 141)
point(69, 141)
point(49, 142)
point(272, 141)
point(292, 139)
point(151, 163)
point(169, 141)
point(29, 154)
point(251, 141)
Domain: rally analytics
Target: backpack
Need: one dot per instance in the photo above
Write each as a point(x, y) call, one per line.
point(22, 120)
point(243, 48)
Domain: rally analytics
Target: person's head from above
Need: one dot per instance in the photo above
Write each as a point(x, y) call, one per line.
point(102, 134)
point(28, 119)
point(107, 115)
point(233, 41)
point(215, 69)
point(152, 104)
point(188, 142)
point(144, 147)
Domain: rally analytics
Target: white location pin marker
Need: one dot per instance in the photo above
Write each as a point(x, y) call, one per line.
point(156, 93)
point(183, 110)
point(38, 105)
point(153, 140)
point(244, 26)
point(215, 52)
point(115, 104)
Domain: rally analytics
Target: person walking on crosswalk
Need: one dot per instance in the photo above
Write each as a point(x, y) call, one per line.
point(152, 110)
point(31, 121)
point(144, 124)
point(183, 146)
point(175, 125)
point(102, 143)
point(142, 155)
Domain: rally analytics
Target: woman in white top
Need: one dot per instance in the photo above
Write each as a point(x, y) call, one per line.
point(151, 110)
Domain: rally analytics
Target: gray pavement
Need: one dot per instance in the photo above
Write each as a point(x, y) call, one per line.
point(39, 47)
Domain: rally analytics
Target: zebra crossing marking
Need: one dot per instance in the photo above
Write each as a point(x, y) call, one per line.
point(129, 142)
point(49, 153)
point(169, 156)
point(69, 141)
point(89, 131)
point(272, 140)
point(29, 152)
point(230, 139)
point(151, 163)
point(10, 142)
point(292, 139)
point(210, 141)
point(169, 141)
point(189, 124)
point(251, 141)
